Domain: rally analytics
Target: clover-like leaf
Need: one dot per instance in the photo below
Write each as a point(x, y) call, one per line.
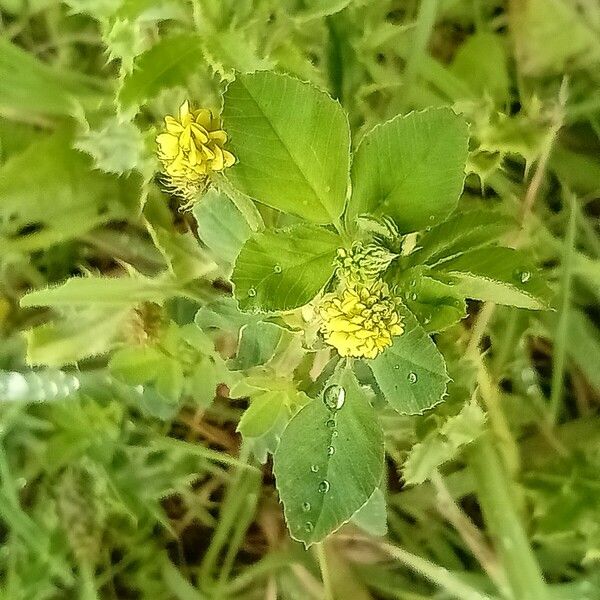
point(292, 144)
point(283, 269)
point(411, 374)
point(411, 169)
point(328, 464)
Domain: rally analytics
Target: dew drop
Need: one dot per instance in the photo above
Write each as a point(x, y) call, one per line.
point(413, 296)
point(277, 268)
point(314, 468)
point(306, 506)
point(413, 282)
point(334, 433)
point(396, 367)
point(308, 527)
point(334, 397)
point(330, 451)
point(251, 292)
point(330, 423)
point(412, 377)
point(324, 486)
point(522, 275)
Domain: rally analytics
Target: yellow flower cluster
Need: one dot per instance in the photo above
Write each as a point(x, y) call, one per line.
point(360, 319)
point(191, 148)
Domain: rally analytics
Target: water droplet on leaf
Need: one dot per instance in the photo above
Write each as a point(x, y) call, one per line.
point(277, 268)
point(330, 451)
point(334, 397)
point(412, 377)
point(308, 527)
point(306, 506)
point(324, 486)
point(330, 423)
point(314, 468)
point(251, 292)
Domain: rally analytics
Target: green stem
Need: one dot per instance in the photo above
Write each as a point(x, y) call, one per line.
point(440, 576)
point(496, 497)
point(424, 27)
point(325, 575)
point(560, 338)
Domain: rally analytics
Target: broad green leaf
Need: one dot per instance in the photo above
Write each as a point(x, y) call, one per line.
point(443, 444)
point(322, 488)
point(372, 516)
point(221, 226)
point(29, 88)
point(434, 302)
point(462, 232)
point(283, 269)
point(292, 145)
point(411, 169)
point(500, 275)
point(166, 65)
point(411, 373)
point(481, 62)
point(101, 291)
point(75, 336)
point(262, 414)
point(50, 193)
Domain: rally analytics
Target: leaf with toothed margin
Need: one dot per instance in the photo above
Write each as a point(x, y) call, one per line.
point(411, 374)
point(321, 489)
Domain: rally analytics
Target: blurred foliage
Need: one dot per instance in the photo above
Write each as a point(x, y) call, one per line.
point(127, 366)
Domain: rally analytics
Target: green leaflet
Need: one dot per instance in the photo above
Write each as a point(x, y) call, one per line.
point(321, 489)
point(411, 374)
point(283, 269)
point(221, 226)
point(411, 168)
point(297, 165)
point(500, 275)
point(461, 232)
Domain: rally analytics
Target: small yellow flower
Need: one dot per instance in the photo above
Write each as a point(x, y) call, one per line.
point(191, 148)
point(360, 319)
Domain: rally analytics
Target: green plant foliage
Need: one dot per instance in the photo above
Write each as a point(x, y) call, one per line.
point(311, 184)
point(411, 169)
point(499, 275)
point(321, 489)
point(370, 325)
point(412, 373)
point(284, 269)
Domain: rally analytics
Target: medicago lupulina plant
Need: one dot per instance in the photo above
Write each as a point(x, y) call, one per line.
point(343, 269)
